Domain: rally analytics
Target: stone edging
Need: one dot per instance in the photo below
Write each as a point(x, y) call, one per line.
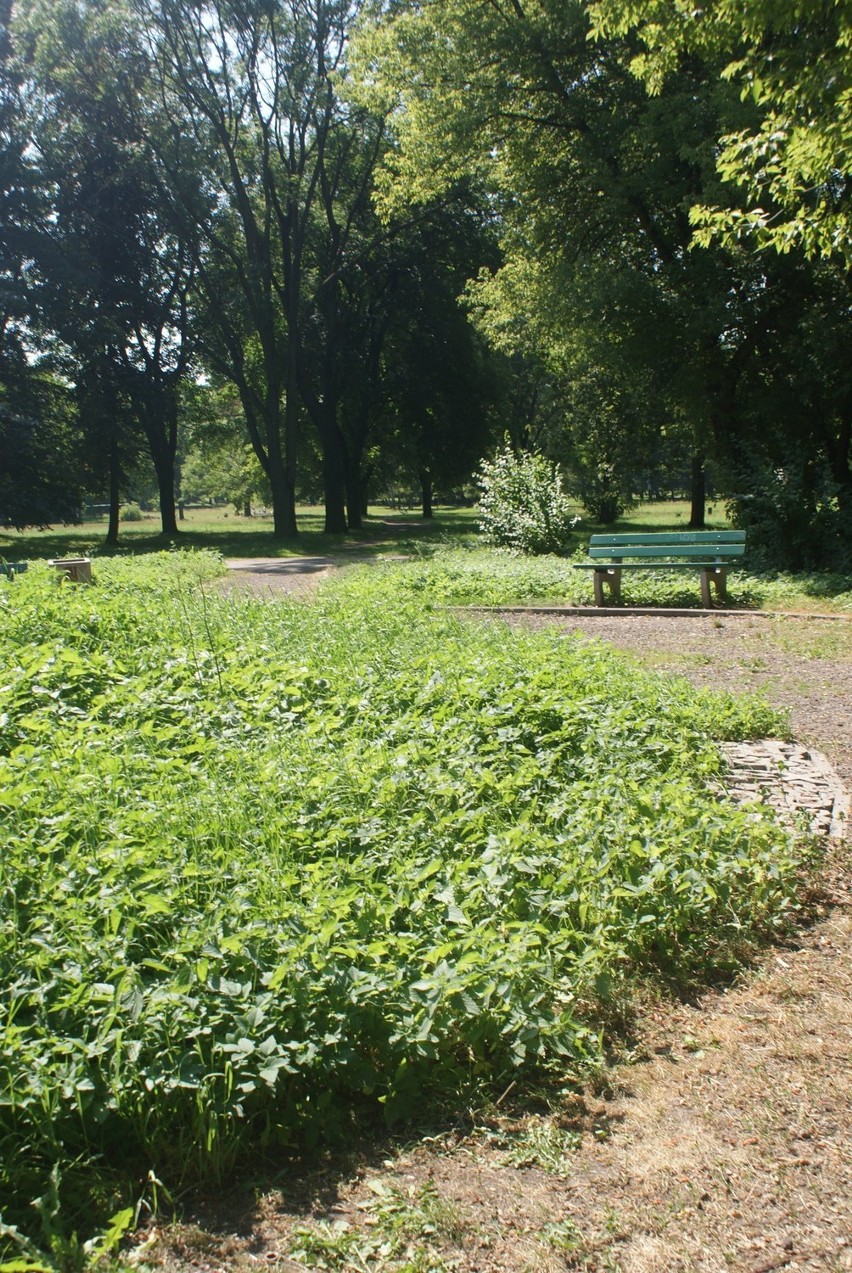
point(653, 612)
point(792, 779)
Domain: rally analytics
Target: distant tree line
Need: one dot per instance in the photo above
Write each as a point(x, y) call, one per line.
point(673, 185)
point(316, 247)
point(192, 260)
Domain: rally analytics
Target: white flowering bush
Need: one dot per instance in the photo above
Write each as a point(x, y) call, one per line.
point(523, 505)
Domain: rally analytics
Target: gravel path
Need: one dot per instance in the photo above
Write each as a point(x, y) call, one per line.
point(271, 576)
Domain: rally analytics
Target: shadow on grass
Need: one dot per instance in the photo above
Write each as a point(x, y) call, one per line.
point(238, 537)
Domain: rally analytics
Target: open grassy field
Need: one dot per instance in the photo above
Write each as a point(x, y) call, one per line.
point(472, 574)
point(224, 531)
point(276, 873)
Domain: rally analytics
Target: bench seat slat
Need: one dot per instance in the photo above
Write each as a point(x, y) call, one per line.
point(676, 537)
point(652, 565)
point(706, 551)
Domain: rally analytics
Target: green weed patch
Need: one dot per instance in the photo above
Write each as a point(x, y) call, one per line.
point(265, 865)
point(439, 575)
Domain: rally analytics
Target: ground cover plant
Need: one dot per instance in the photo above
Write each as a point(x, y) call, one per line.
point(268, 866)
point(474, 575)
point(441, 575)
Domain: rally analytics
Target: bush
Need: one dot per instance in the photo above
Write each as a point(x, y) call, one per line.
point(601, 493)
point(794, 518)
point(523, 505)
point(132, 513)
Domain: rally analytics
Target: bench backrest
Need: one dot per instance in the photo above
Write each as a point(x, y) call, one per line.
point(700, 544)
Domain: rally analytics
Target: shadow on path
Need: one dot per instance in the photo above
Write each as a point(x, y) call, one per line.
point(281, 565)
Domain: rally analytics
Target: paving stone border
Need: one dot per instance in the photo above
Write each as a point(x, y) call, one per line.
point(792, 779)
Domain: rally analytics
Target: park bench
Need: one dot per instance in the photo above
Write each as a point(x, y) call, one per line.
point(709, 551)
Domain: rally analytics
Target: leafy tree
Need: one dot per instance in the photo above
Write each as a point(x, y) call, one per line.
point(211, 474)
point(18, 197)
point(588, 178)
point(220, 463)
point(440, 382)
point(593, 180)
point(606, 413)
point(112, 277)
point(793, 60)
point(273, 168)
point(40, 464)
point(353, 265)
point(41, 467)
point(791, 464)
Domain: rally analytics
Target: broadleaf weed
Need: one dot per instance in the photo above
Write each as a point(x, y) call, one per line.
point(263, 863)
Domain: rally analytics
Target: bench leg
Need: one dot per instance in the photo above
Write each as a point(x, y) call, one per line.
point(611, 577)
point(718, 577)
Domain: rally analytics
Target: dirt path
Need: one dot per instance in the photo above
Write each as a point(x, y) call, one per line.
point(724, 1144)
point(270, 576)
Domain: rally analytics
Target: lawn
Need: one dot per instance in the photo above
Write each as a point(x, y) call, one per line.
point(224, 531)
point(232, 535)
point(450, 564)
point(276, 872)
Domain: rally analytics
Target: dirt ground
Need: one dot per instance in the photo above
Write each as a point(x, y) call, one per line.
point(722, 1142)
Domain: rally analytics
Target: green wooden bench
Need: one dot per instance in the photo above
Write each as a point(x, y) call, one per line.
point(709, 551)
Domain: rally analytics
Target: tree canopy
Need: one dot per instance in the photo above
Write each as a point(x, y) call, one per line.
point(631, 260)
point(616, 229)
point(793, 60)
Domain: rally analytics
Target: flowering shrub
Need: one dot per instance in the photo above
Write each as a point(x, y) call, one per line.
point(523, 505)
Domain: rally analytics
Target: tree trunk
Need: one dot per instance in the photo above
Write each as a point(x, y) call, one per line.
point(158, 411)
point(283, 503)
point(334, 463)
point(334, 486)
point(366, 478)
point(280, 474)
point(698, 494)
point(354, 496)
point(114, 492)
point(839, 449)
point(278, 466)
point(426, 494)
point(285, 517)
point(165, 469)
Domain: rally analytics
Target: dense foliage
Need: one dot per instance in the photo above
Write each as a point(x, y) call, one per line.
point(274, 209)
point(665, 346)
point(522, 505)
point(267, 865)
point(793, 59)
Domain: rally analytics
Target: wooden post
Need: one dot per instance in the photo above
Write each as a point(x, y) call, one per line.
point(77, 569)
point(612, 576)
point(716, 575)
